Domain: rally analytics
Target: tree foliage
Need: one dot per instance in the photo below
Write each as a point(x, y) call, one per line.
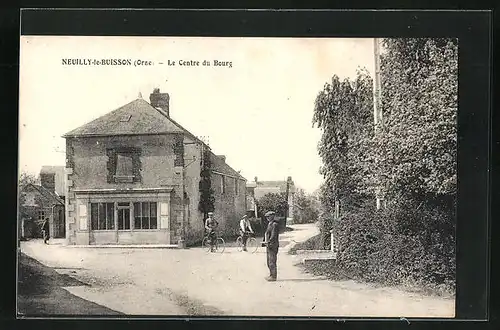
point(276, 202)
point(25, 178)
point(343, 111)
point(416, 151)
point(306, 207)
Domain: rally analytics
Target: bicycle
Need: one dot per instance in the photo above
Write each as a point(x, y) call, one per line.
point(218, 246)
point(252, 244)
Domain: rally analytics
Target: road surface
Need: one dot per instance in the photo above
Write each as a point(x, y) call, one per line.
point(193, 282)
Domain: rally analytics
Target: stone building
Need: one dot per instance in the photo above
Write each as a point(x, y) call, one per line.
point(257, 189)
point(53, 177)
point(38, 202)
point(133, 177)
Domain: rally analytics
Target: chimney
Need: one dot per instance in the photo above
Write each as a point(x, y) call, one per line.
point(222, 157)
point(160, 101)
point(48, 181)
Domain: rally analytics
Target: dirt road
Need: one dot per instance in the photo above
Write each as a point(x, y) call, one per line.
point(193, 282)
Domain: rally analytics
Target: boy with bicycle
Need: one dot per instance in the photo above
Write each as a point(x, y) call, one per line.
point(210, 225)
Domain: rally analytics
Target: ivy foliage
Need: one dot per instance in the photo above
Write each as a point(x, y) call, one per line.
point(207, 199)
point(411, 159)
point(416, 151)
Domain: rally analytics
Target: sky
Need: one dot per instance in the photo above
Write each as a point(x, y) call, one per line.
point(258, 113)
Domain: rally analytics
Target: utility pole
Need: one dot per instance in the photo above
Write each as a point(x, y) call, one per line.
point(377, 102)
point(286, 198)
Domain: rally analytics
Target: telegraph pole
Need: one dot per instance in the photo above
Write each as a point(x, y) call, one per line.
point(377, 102)
point(287, 193)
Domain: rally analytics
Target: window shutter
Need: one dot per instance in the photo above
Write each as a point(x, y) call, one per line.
point(82, 216)
point(164, 215)
point(124, 165)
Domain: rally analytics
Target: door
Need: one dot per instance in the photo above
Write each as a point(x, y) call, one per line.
point(124, 219)
point(60, 225)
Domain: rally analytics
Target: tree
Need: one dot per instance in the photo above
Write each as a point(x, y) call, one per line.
point(343, 111)
point(25, 178)
point(306, 207)
point(276, 202)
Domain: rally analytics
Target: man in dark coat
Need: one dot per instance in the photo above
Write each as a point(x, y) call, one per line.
point(272, 244)
point(45, 230)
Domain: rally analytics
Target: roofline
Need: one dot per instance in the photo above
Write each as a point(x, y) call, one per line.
point(229, 175)
point(74, 136)
point(58, 199)
point(191, 135)
point(239, 174)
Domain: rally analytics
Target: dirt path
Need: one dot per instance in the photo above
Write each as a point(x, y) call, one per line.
point(192, 282)
point(40, 292)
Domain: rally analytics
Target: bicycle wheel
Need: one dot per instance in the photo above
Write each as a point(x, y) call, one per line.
point(220, 245)
point(206, 244)
point(239, 243)
point(252, 245)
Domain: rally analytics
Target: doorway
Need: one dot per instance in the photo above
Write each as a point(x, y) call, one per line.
point(59, 224)
point(123, 216)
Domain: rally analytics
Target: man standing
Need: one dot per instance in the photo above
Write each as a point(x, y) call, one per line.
point(210, 225)
point(45, 230)
point(272, 244)
point(245, 229)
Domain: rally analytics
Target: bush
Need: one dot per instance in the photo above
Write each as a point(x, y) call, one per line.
point(408, 242)
point(307, 215)
point(313, 243)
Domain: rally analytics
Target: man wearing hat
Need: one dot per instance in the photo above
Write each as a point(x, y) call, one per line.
point(245, 229)
point(210, 225)
point(272, 244)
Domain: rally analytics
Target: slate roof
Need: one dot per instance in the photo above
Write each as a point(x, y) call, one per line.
point(137, 118)
point(264, 187)
point(47, 193)
point(221, 166)
point(270, 184)
point(134, 118)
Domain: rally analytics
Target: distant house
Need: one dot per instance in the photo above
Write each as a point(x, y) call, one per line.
point(133, 177)
point(257, 189)
point(54, 175)
point(38, 202)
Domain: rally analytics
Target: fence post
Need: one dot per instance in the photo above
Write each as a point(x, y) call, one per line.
point(331, 240)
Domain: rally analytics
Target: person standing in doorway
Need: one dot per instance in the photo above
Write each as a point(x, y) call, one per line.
point(45, 230)
point(272, 243)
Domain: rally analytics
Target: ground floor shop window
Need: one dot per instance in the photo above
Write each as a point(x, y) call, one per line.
point(102, 216)
point(145, 216)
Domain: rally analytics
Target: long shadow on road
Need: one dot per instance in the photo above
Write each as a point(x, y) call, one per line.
point(41, 293)
point(299, 279)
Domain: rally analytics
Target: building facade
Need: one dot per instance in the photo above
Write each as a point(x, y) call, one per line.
point(133, 177)
point(37, 203)
point(257, 189)
point(54, 179)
